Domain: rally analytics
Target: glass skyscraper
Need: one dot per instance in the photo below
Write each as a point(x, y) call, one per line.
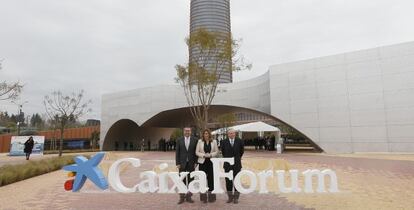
point(212, 15)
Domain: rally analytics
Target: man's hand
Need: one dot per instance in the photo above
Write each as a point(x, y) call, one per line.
point(178, 167)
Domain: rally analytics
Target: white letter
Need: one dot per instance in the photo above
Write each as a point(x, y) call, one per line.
point(115, 180)
point(162, 178)
point(178, 182)
point(199, 183)
point(163, 182)
point(263, 181)
point(253, 182)
point(321, 181)
point(148, 185)
point(281, 181)
point(217, 163)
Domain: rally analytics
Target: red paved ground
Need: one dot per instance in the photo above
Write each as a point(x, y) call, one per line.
point(393, 175)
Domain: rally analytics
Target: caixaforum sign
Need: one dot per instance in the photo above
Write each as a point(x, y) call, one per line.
point(151, 182)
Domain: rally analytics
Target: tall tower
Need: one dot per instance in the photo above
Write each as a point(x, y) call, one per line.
point(212, 15)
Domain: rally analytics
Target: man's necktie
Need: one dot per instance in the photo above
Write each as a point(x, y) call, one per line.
point(187, 143)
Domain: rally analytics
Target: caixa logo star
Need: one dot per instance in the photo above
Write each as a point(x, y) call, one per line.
point(85, 169)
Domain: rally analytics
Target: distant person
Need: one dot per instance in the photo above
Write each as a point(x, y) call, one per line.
point(160, 145)
point(164, 145)
point(116, 146)
point(261, 143)
point(207, 148)
point(232, 147)
point(267, 143)
point(186, 160)
point(142, 145)
point(28, 147)
point(273, 143)
point(256, 143)
point(168, 145)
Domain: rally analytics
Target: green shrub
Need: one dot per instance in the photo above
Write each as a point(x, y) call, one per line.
point(14, 173)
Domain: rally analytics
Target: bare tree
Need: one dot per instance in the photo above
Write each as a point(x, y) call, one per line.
point(53, 124)
point(227, 120)
point(9, 91)
point(215, 56)
point(65, 108)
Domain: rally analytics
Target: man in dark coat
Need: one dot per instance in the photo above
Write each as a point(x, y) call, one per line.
point(186, 160)
point(28, 147)
point(232, 147)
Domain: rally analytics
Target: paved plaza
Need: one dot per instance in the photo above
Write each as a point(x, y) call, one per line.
point(366, 181)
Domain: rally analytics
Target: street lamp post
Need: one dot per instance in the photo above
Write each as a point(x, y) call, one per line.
point(20, 105)
point(18, 128)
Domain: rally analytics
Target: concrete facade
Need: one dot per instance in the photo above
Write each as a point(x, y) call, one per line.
point(353, 102)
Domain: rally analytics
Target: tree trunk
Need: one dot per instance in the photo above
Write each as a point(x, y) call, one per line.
point(62, 129)
point(205, 120)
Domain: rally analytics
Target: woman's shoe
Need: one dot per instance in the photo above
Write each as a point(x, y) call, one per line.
point(203, 197)
point(211, 197)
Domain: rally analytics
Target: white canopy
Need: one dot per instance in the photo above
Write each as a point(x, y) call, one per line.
point(250, 127)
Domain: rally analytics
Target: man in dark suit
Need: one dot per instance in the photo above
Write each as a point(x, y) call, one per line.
point(186, 160)
point(232, 147)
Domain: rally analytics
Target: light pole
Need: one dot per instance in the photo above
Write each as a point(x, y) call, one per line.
point(20, 107)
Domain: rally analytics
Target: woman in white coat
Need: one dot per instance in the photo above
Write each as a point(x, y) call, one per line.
point(207, 148)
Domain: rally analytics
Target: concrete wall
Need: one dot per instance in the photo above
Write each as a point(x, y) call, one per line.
point(354, 102)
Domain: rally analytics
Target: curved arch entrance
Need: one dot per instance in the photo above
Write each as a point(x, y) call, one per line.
point(163, 124)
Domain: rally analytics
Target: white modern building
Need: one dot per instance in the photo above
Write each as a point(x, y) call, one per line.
point(361, 101)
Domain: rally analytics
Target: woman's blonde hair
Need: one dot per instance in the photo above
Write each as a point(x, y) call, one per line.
point(209, 134)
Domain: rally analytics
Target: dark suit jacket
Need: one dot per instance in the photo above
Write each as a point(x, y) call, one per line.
point(181, 153)
point(235, 151)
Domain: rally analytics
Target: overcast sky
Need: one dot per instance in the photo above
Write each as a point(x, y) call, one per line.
point(105, 46)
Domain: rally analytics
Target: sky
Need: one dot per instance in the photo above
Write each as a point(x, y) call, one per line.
point(105, 46)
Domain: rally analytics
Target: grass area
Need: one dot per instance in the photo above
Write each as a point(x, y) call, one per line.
point(14, 173)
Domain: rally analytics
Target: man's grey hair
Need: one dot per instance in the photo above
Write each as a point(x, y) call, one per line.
point(231, 130)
